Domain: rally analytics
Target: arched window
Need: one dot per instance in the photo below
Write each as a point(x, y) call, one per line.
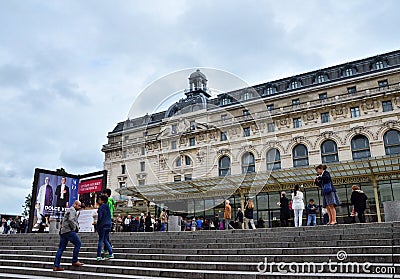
point(248, 163)
point(273, 159)
point(329, 152)
point(224, 166)
point(360, 147)
point(391, 140)
point(300, 155)
point(178, 161)
point(188, 161)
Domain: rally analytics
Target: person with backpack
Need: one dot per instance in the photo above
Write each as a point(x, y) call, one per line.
point(359, 200)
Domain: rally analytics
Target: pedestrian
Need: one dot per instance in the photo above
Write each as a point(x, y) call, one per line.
point(163, 220)
point(111, 204)
point(359, 200)
point(284, 210)
point(312, 209)
point(148, 223)
point(239, 218)
point(68, 233)
point(193, 225)
point(248, 215)
point(330, 198)
point(118, 223)
point(104, 228)
point(227, 215)
point(215, 222)
point(199, 222)
point(298, 206)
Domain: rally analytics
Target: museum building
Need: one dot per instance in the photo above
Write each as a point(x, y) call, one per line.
point(257, 141)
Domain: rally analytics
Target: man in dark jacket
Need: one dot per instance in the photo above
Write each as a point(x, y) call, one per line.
point(104, 228)
point(69, 228)
point(239, 218)
point(359, 200)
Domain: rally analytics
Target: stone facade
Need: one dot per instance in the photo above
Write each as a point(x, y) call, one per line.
point(337, 103)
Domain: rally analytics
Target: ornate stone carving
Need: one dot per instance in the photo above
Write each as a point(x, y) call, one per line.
point(200, 156)
point(339, 111)
point(141, 175)
point(284, 122)
point(370, 106)
point(297, 140)
point(273, 144)
point(163, 162)
point(224, 151)
point(310, 117)
point(357, 131)
point(327, 135)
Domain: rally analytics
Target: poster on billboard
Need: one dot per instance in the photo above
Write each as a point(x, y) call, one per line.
point(53, 193)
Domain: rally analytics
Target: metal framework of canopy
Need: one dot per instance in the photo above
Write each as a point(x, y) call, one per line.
point(368, 169)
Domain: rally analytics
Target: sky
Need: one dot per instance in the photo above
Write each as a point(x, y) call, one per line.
point(71, 70)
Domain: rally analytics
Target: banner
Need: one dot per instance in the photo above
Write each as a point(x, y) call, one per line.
point(90, 186)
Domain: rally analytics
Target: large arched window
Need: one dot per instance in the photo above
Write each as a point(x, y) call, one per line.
point(360, 147)
point(391, 140)
point(273, 159)
point(224, 166)
point(248, 163)
point(300, 155)
point(329, 152)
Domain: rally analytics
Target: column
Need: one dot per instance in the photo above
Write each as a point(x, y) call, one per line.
point(378, 209)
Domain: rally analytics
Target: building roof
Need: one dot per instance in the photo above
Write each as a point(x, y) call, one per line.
point(334, 73)
point(355, 171)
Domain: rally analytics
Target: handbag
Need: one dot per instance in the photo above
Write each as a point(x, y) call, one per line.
point(327, 188)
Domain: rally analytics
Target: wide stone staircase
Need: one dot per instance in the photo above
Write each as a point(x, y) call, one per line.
point(342, 251)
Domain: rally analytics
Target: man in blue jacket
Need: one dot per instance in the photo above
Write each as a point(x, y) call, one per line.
point(104, 228)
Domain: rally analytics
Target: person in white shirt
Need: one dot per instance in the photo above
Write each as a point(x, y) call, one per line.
point(44, 199)
point(297, 206)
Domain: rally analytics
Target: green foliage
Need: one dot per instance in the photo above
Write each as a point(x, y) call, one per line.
point(27, 205)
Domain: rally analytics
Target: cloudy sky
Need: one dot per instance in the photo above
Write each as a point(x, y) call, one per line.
point(70, 70)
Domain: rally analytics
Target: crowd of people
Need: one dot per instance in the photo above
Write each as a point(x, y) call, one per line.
point(14, 225)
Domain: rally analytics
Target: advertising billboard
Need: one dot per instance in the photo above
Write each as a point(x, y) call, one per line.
point(53, 193)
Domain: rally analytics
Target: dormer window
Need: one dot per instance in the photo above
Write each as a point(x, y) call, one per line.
point(379, 65)
point(348, 72)
point(246, 96)
point(321, 78)
point(294, 84)
point(225, 101)
point(269, 91)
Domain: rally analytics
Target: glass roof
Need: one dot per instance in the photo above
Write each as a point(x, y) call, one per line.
point(268, 181)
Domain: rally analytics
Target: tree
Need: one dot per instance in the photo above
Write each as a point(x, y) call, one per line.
point(27, 205)
point(61, 171)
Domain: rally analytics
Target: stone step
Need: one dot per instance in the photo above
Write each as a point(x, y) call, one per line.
point(245, 263)
point(141, 272)
point(263, 238)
